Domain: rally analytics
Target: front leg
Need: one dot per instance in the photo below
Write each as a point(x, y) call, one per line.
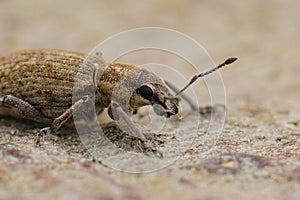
point(126, 124)
point(125, 121)
point(61, 120)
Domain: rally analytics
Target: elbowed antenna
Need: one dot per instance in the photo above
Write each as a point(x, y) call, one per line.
point(227, 62)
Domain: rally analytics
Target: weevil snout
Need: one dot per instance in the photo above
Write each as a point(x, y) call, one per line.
point(168, 108)
point(172, 106)
point(164, 104)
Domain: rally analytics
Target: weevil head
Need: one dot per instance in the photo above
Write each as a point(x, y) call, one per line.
point(159, 96)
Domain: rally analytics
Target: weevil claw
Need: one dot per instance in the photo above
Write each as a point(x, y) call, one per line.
point(41, 134)
point(153, 153)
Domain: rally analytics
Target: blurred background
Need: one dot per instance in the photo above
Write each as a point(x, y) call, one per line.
point(263, 34)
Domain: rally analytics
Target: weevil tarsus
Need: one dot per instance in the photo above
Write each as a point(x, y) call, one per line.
point(123, 120)
point(206, 110)
point(61, 120)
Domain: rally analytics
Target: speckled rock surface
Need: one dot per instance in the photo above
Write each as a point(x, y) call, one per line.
point(257, 156)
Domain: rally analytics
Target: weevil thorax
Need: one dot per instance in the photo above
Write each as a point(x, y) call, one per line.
point(134, 87)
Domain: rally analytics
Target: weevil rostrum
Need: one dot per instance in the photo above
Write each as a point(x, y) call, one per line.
point(37, 85)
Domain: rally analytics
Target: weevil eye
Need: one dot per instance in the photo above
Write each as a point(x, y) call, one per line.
point(145, 91)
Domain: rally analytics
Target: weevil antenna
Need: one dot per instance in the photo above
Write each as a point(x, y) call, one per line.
point(226, 62)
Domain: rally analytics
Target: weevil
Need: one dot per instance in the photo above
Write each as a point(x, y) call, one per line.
point(37, 85)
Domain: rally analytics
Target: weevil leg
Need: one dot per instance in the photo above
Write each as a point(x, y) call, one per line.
point(206, 110)
point(15, 107)
point(124, 120)
point(128, 126)
point(59, 121)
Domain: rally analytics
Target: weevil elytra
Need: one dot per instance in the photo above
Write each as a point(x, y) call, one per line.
point(37, 85)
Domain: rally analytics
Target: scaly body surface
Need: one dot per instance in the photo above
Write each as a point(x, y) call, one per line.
point(48, 86)
point(39, 84)
point(43, 78)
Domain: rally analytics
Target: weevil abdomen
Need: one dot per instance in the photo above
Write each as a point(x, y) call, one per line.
point(43, 78)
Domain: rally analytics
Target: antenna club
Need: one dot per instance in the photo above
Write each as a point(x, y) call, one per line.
point(230, 60)
point(227, 62)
